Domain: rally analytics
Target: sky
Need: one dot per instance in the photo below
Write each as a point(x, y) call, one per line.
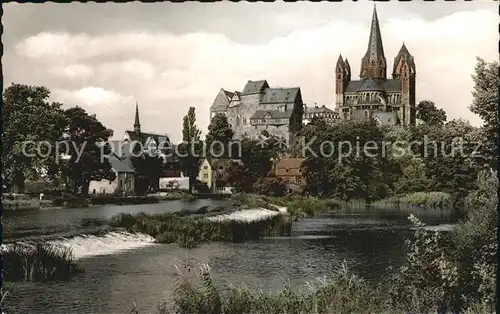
point(170, 56)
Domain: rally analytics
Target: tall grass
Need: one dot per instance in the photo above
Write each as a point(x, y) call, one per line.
point(38, 262)
point(429, 200)
point(341, 293)
point(189, 231)
point(297, 206)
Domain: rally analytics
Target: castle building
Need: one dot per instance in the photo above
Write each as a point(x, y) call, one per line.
point(260, 108)
point(374, 96)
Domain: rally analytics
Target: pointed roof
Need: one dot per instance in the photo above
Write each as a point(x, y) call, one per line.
point(136, 121)
point(347, 66)
point(340, 63)
point(403, 52)
point(375, 48)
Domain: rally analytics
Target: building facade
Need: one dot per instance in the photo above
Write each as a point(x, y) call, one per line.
point(323, 112)
point(374, 96)
point(259, 107)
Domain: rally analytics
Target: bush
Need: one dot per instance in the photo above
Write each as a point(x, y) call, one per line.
point(455, 274)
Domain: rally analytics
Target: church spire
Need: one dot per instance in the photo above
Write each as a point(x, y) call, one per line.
point(374, 64)
point(137, 124)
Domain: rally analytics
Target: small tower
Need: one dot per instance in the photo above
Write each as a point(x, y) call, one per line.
point(137, 124)
point(341, 81)
point(374, 64)
point(404, 70)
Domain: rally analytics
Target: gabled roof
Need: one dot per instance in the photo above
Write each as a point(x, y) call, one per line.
point(317, 109)
point(221, 101)
point(290, 163)
point(143, 137)
point(275, 114)
point(121, 164)
point(216, 162)
point(254, 87)
point(280, 95)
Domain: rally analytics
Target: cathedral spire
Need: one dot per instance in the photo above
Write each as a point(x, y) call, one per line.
point(374, 63)
point(137, 124)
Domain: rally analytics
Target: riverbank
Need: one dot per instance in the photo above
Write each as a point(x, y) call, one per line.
point(25, 204)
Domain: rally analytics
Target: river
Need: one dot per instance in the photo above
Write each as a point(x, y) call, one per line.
point(122, 268)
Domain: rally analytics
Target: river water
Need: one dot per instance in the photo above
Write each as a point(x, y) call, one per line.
point(121, 268)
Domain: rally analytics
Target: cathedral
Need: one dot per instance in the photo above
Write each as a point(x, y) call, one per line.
point(389, 101)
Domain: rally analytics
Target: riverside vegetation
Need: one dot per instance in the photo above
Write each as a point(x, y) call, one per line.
point(188, 231)
point(458, 277)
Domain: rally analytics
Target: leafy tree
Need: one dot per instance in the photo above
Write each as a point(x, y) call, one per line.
point(219, 131)
point(333, 165)
point(28, 116)
point(238, 178)
point(148, 166)
point(270, 186)
point(87, 139)
point(191, 147)
point(428, 113)
point(485, 104)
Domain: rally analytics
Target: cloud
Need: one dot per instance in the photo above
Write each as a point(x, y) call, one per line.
point(167, 73)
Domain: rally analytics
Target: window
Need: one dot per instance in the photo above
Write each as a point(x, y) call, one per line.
point(287, 170)
point(205, 176)
point(221, 167)
point(205, 167)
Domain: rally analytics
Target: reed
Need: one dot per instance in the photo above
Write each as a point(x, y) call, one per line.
point(40, 261)
point(189, 231)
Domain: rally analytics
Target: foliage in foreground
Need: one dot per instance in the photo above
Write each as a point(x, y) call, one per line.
point(444, 275)
point(189, 231)
point(38, 262)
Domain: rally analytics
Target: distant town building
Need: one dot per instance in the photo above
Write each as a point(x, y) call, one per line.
point(374, 96)
point(124, 181)
point(149, 141)
point(213, 171)
point(320, 112)
point(288, 169)
point(259, 107)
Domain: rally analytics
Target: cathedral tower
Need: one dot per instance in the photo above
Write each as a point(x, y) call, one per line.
point(374, 64)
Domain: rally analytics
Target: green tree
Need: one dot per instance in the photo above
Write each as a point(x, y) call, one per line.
point(219, 131)
point(428, 113)
point(86, 139)
point(28, 116)
point(191, 147)
point(485, 104)
point(339, 168)
point(148, 166)
point(270, 186)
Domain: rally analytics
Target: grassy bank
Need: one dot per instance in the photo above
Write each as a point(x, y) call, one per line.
point(38, 262)
point(426, 200)
point(21, 204)
point(297, 206)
